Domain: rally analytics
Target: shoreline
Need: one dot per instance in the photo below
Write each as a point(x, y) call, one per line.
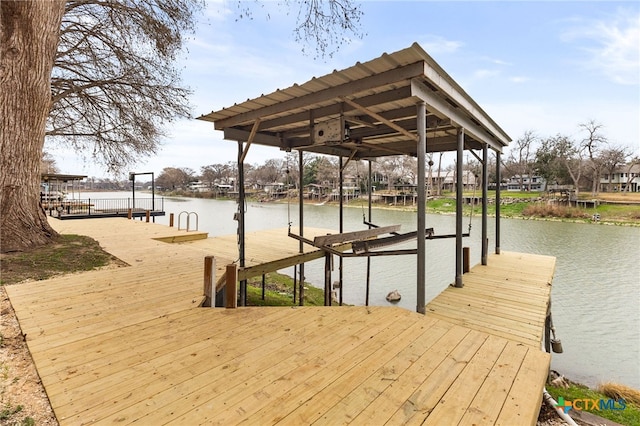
point(587, 213)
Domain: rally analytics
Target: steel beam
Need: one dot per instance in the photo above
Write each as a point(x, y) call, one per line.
point(459, 189)
point(421, 123)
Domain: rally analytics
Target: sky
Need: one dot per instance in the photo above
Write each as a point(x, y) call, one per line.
point(542, 66)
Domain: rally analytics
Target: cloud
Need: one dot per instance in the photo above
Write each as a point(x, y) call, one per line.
point(439, 45)
point(519, 79)
point(613, 45)
point(485, 73)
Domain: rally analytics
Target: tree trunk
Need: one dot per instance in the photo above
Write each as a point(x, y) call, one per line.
point(29, 34)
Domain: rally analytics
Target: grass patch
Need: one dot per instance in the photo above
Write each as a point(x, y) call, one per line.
point(70, 253)
point(629, 416)
point(279, 292)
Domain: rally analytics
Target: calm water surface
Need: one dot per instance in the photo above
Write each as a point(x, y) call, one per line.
point(596, 288)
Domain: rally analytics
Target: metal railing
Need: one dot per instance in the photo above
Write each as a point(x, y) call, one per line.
point(103, 206)
point(188, 215)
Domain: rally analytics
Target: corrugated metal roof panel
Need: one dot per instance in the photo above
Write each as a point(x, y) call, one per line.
point(285, 109)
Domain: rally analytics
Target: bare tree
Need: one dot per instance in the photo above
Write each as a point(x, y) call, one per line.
point(175, 178)
point(634, 162)
point(48, 163)
point(611, 159)
point(321, 25)
point(28, 41)
point(274, 170)
point(521, 159)
point(212, 174)
point(114, 86)
point(327, 171)
point(592, 144)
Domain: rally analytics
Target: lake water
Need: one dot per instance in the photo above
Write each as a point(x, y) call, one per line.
point(596, 288)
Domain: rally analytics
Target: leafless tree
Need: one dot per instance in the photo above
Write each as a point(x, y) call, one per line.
point(634, 162)
point(275, 170)
point(322, 26)
point(48, 163)
point(592, 145)
point(175, 178)
point(521, 159)
point(327, 171)
point(114, 86)
point(611, 159)
point(212, 174)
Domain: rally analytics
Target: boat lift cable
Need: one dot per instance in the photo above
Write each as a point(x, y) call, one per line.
point(473, 201)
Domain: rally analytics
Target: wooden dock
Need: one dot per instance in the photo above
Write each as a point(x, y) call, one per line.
point(131, 344)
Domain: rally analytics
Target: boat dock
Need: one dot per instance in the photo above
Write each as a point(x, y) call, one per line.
point(131, 344)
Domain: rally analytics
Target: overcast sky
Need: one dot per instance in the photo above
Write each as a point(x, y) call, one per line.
point(541, 66)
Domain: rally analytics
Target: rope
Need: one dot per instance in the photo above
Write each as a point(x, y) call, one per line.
point(358, 183)
point(473, 200)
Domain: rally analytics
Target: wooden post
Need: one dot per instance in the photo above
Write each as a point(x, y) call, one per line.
point(209, 287)
point(466, 263)
point(231, 300)
point(327, 279)
point(130, 214)
point(171, 220)
point(147, 215)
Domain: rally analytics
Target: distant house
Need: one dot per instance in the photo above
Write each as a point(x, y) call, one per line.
point(447, 180)
point(199, 186)
point(526, 183)
point(620, 178)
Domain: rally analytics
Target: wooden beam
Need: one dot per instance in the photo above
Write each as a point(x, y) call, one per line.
point(353, 154)
point(326, 240)
point(209, 275)
point(379, 118)
point(365, 246)
point(231, 299)
point(252, 136)
point(435, 101)
point(276, 265)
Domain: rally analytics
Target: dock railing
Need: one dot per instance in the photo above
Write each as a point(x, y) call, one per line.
point(103, 206)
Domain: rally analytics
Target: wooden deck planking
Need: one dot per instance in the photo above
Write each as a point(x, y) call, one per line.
point(508, 298)
point(128, 344)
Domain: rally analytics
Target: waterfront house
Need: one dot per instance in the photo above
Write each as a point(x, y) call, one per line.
point(623, 178)
point(526, 183)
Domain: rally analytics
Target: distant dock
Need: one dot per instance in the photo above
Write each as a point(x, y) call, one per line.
point(93, 208)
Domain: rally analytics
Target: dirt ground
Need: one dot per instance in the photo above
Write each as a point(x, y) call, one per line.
point(22, 396)
point(619, 196)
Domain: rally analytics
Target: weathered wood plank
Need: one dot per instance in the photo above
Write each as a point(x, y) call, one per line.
point(486, 406)
point(345, 237)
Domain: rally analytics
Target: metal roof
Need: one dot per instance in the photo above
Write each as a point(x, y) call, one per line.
point(375, 102)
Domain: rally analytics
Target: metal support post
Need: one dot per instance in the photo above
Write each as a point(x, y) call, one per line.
point(498, 180)
point(241, 233)
point(422, 201)
point(459, 189)
point(485, 188)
